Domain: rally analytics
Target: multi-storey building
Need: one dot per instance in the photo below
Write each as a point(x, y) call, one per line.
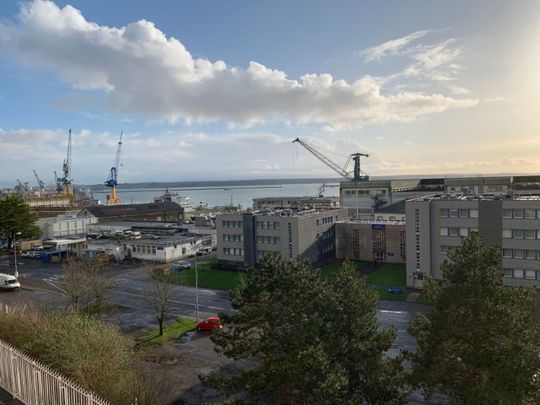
point(435, 224)
point(295, 202)
point(243, 238)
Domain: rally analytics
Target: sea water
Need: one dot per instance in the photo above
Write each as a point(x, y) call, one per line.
point(222, 195)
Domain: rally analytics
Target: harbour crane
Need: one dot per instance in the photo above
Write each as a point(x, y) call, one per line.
point(342, 171)
point(66, 182)
point(40, 182)
point(112, 181)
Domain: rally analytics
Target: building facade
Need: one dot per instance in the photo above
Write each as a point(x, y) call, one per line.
point(372, 241)
point(162, 211)
point(243, 238)
point(295, 202)
point(65, 225)
point(435, 224)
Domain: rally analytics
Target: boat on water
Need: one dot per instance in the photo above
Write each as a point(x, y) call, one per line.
point(181, 200)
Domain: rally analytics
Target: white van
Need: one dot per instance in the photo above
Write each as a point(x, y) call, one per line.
point(9, 282)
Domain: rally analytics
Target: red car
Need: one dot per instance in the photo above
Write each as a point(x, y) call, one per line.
point(210, 324)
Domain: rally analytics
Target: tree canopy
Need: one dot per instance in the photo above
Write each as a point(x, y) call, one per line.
point(15, 216)
point(309, 340)
point(481, 343)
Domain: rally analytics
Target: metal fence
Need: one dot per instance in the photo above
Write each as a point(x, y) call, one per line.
point(37, 384)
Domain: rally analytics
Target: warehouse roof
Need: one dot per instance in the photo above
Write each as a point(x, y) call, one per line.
point(104, 211)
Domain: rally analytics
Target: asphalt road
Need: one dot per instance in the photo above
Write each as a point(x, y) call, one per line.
point(134, 311)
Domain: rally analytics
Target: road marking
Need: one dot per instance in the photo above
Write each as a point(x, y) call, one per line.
point(173, 300)
point(387, 311)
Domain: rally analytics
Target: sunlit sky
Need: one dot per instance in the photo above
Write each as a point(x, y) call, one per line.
point(218, 89)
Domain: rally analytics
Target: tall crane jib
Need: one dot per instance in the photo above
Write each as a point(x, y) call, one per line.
point(342, 171)
point(64, 184)
point(112, 180)
point(40, 183)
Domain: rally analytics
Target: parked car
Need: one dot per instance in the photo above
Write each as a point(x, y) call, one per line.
point(9, 282)
point(180, 265)
point(212, 323)
point(204, 251)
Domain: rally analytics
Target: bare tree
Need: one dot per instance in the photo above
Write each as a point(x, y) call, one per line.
point(73, 281)
point(159, 294)
point(85, 282)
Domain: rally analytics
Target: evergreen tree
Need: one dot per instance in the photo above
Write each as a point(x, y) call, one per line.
point(15, 216)
point(480, 344)
point(357, 346)
point(309, 340)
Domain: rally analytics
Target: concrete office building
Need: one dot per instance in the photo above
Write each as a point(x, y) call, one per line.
point(243, 238)
point(436, 224)
point(371, 240)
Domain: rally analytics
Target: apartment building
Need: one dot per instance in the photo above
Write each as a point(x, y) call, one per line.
point(435, 224)
point(243, 238)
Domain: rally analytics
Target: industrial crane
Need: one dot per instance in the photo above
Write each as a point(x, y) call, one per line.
point(65, 183)
point(112, 181)
point(342, 171)
point(40, 183)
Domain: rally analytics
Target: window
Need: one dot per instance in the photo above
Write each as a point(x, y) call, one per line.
point(507, 233)
point(530, 254)
point(507, 273)
point(507, 213)
point(530, 214)
point(444, 232)
point(453, 231)
point(530, 275)
point(517, 233)
point(518, 273)
point(444, 213)
point(463, 232)
point(518, 253)
point(463, 213)
point(473, 213)
point(529, 234)
point(518, 214)
point(453, 213)
point(507, 253)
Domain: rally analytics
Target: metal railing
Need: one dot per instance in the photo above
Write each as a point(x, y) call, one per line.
point(34, 383)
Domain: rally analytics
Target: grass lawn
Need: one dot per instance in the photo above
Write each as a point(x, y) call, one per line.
point(389, 274)
point(422, 299)
point(332, 269)
point(171, 331)
point(208, 277)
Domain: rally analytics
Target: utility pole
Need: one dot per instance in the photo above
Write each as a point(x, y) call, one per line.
point(16, 273)
point(196, 289)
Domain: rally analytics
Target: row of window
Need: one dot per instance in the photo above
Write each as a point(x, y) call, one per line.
point(363, 192)
point(261, 253)
point(458, 213)
point(522, 274)
point(521, 254)
point(326, 234)
point(328, 247)
point(233, 251)
point(457, 231)
point(232, 224)
point(521, 234)
point(232, 238)
point(268, 239)
point(326, 220)
point(144, 249)
point(267, 225)
point(521, 214)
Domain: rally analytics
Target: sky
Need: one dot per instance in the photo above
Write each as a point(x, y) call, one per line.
point(215, 90)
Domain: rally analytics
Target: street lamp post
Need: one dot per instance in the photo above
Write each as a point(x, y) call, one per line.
point(196, 289)
point(16, 273)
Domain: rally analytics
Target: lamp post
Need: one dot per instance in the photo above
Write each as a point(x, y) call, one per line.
point(196, 289)
point(16, 273)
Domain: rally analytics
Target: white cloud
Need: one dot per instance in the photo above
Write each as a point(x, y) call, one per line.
point(392, 47)
point(144, 72)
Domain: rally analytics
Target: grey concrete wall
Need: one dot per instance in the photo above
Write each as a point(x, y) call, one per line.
point(490, 221)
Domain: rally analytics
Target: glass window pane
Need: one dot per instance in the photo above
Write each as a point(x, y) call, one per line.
point(530, 213)
point(464, 213)
point(463, 232)
point(507, 273)
point(453, 213)
point(444, 213)
point(530, 275)
point(518, 253)
point(453, 231)
point(518, 213)
point(530, 254)
point(518, 273)
point(517, 233)
point(530, 234)
point(473, 213)
point(507, 253)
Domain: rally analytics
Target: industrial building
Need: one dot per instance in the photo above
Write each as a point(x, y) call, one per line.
point(164, 211)
point(65, 225)
point(295, 202)
point(435, 224)
point(245, 237)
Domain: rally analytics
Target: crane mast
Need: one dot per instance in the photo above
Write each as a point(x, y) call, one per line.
point(358, 176)
point(64, 184)
point(40, 183)
point(112, 180)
